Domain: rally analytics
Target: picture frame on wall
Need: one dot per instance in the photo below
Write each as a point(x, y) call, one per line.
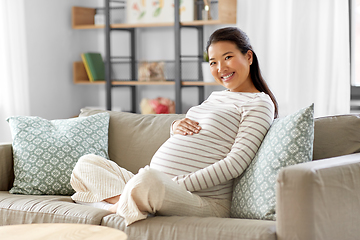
point(158, 11)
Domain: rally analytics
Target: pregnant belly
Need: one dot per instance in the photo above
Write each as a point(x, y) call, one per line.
point(181, 155)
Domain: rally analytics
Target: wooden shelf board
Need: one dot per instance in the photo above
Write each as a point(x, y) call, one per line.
point(137, 83)
point(201, 22)
point(123, 83)
point(80, 77)
point(145, 25)
point(88, 26)
point(87, 82)
point(198, 83)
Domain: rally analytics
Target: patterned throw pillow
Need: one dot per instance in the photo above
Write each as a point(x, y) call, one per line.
point(45, 152)
point(289, 141)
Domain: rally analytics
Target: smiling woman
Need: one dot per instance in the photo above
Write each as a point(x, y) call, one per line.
point(234, 63)
point(14, 92)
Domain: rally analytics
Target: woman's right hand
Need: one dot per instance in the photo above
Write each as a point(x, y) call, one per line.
point(185, 126)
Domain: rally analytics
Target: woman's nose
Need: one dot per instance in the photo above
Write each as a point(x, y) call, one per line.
point(221, 67)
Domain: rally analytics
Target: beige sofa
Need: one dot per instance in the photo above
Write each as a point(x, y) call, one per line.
point(315, 200)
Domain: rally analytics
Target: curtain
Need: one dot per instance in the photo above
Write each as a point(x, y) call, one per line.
point(303, 50)
point(14, 90)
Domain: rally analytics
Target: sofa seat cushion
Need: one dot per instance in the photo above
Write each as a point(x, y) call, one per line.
point(25, 209)
point(175, 227)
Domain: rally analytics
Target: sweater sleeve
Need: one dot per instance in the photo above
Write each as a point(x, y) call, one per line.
point(256, 118)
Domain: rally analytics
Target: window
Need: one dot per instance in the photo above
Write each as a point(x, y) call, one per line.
point(356, 39)
point(355, 55)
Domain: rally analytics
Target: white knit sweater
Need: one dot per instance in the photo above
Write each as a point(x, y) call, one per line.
point(233, 125)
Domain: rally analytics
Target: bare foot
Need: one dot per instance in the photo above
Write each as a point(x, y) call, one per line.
point(113, 208)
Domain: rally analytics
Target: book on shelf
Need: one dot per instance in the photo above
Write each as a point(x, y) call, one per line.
point(87, 67)
point(94, 66)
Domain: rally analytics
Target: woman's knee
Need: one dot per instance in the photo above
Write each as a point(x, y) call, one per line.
point(149, 175)
point(148, 179)
point(146, 190)
point(89, 159)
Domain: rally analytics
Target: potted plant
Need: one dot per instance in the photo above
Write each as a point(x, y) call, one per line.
point(207, 76)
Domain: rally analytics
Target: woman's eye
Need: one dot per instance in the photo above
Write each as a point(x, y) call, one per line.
point(227, 57)
point(212, 63)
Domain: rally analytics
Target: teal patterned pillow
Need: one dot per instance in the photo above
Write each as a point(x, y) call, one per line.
point(45, 152)
point(289, 141)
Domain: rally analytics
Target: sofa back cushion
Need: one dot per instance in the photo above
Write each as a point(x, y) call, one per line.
point(134, 138)
point(6, 167)
point(336, 136)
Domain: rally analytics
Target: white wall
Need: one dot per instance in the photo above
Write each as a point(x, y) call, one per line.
point(52, 47)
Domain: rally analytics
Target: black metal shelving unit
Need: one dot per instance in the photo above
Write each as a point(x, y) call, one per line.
point(108, 60)
point(83, 18)
point(133, 63)
point(179, 57)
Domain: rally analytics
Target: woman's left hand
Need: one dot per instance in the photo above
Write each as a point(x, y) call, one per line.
point(185, 126)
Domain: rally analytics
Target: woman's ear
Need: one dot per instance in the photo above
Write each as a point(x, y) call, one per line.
point(249, 56)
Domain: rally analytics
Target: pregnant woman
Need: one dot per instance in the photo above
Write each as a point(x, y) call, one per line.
point(192, 173)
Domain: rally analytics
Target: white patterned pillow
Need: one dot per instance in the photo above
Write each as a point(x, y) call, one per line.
point(289, 141)
point(45, 152)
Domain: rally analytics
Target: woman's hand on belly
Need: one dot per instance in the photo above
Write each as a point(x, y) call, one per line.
point(186, 126)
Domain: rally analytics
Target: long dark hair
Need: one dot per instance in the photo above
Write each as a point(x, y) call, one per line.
point(242, 42)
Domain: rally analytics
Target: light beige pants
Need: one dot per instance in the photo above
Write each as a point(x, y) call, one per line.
point(95, 178)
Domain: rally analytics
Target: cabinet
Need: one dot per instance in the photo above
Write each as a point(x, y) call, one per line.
point(83, 18)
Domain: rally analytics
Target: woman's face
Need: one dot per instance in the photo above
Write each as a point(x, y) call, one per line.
point(230, 67)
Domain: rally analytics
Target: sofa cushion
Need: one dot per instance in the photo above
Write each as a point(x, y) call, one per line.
point(178, 228)
point(336, 136)
point(134, 138)
point(45, 152)
point(6, 167)
point(26, 209)
point(289, 141)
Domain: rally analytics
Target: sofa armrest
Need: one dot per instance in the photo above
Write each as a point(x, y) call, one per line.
point(319, 200)
point(6, 167)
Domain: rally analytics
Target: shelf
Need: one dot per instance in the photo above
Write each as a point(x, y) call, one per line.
point(137, 83)
point(83, 18)
point(145, 25)
point(80, 77)
point(198, 83)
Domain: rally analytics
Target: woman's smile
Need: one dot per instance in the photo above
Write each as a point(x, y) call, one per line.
point(227, 77)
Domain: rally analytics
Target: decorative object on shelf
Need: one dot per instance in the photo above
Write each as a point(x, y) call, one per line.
point(94, 66)
point(151, 71)
point(205, 67)
point(116, 16)
point(206, 11)
point(207, 76)
point(158, 105)
point(157, 11)
point(99, 17)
